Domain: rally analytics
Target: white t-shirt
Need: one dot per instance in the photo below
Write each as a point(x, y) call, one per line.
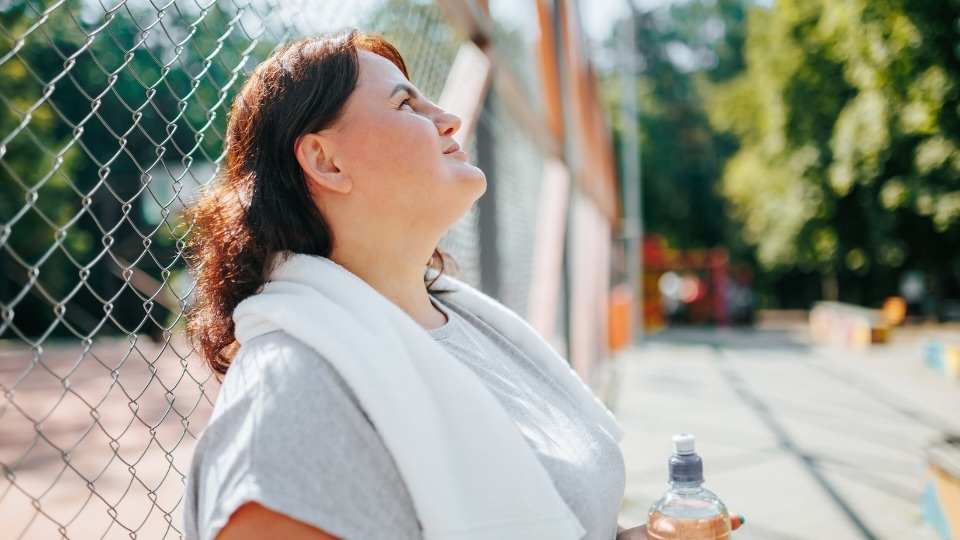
point(288, 433)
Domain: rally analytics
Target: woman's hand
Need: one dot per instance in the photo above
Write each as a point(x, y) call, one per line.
point(636, 533)
point(640, 533)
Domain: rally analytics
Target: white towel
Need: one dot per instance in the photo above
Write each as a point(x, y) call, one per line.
point(469, 471)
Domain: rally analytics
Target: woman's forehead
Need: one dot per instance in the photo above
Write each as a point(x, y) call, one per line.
point(377, 71)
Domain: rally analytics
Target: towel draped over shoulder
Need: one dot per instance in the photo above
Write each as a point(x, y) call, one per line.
point(470, 473)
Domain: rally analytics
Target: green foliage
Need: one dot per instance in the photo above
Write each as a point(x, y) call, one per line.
point(847, 121)
point(94, 108)
point(681, 50)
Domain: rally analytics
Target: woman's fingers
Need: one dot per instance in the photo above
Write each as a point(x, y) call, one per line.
point(636, 533)
point(736, 520)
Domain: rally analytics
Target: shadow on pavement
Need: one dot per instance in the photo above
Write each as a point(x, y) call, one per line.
point(792, 339)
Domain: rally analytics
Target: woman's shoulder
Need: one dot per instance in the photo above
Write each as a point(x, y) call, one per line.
point(282, 418)
point(276, 348)
point(283, 366)
point(278, 354)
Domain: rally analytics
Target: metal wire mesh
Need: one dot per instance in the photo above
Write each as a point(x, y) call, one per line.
point(112, 114)
point(462, 241)
point(517, 169)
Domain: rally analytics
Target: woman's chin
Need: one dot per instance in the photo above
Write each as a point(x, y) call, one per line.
point(457, 210)
point(478, 180)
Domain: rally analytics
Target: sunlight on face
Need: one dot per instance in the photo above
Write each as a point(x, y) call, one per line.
point(399, 151)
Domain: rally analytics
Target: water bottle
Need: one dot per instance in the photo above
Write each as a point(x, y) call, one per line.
point(687, 511)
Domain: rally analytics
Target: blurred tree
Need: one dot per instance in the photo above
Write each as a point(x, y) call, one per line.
point(847, 120)
point(680, 49)
point(96, 110)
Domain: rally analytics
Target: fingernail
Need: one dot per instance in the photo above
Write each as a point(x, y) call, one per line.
point(742, 519)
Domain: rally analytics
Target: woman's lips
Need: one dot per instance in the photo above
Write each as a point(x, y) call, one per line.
point(452, 148)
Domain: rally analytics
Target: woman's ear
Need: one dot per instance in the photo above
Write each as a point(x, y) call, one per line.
point(312, 151)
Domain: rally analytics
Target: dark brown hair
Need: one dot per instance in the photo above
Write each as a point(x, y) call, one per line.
point(259, 205)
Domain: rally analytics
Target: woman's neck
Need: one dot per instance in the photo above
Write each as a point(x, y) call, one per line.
point(399, 279)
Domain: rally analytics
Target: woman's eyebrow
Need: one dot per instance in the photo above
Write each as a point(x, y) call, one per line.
point(404, 87)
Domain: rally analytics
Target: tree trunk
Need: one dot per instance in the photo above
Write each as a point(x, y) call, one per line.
point(829, 288)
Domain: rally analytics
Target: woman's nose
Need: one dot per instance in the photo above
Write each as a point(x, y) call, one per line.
point(448, 123)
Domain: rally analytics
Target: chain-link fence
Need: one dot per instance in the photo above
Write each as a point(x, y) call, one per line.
point(112, 114)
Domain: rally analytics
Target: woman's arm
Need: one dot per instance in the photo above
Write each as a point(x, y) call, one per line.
point(253, 521)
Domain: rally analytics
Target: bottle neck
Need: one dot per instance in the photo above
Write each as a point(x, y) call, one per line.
point(687, 487)
point(685, 469)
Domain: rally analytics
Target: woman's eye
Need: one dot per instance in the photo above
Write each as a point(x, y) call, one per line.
point(406, 103)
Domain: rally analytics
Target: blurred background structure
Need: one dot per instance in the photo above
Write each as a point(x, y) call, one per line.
point(814, 142)
point(650, 163)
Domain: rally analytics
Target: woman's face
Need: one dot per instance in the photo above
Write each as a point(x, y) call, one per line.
point(396, 148)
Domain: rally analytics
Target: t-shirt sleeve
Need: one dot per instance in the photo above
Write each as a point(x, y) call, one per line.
point(288, 434)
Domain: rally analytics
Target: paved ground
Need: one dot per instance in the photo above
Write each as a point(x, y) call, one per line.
point(95, 443)
point(809, 443)
point(822, 443)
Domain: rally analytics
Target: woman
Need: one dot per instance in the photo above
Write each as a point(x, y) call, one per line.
point(368, 395)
